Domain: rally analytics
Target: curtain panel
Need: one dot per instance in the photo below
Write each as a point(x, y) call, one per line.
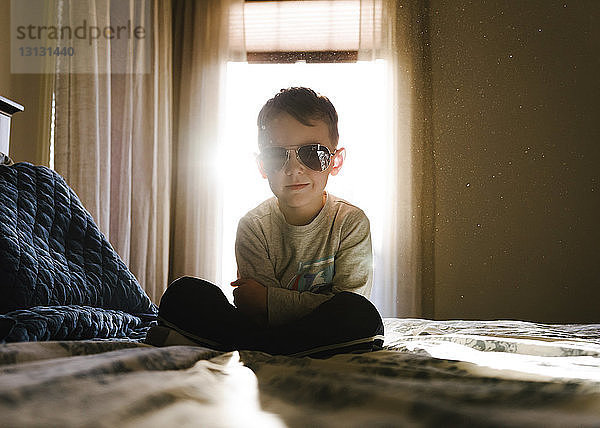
point(136, 131)
point(113, 132)
point(205, 38)
point(407, 241)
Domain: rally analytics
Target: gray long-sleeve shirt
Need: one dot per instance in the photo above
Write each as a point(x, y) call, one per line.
point(303, 266)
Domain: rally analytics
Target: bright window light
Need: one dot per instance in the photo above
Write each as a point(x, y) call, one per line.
point(357, 90)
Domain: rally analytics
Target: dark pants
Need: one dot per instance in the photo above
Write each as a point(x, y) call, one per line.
point(200, 311)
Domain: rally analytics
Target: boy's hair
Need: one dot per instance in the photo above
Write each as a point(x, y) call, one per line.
point(304, 105)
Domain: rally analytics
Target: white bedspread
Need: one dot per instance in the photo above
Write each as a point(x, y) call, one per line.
point(433, 373)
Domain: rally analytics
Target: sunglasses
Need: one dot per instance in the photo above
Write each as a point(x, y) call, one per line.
point(312, 156)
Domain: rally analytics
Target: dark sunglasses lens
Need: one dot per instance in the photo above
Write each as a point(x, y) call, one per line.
point(315, 156)
point(273, 158)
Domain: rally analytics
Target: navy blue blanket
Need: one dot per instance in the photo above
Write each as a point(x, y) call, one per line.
point(74, 323)
point(59, 276)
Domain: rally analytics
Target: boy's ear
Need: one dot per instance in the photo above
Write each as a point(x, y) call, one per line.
point(261, 169)
point(338, 161)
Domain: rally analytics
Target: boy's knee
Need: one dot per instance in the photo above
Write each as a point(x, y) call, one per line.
point(186, 282)
point(357, 307)
point(189, 284)
point(189, 290)
point(351, 300)
point(349, 297)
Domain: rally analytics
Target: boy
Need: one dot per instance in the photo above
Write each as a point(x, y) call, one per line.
point(304, 256)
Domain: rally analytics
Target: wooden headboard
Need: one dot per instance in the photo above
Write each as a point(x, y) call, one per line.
point(7, 109)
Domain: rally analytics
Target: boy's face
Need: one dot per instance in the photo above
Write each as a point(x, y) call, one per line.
point(296, 186)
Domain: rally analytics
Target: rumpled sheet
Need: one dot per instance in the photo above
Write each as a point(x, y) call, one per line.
point(432, 373)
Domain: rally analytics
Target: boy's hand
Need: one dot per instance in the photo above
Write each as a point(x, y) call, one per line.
point(250, 297)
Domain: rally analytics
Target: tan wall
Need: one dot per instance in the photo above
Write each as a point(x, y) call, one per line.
point(24, 89)
point(516, 128)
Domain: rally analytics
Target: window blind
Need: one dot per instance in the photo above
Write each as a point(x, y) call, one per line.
point(302, 26)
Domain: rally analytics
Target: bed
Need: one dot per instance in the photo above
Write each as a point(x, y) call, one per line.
point(431, 373)
point(73, 319)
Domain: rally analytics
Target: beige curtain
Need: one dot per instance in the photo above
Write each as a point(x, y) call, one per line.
point(82, 134)
point(203, 44)
point(136, 131)
point(113, 134)
point(396, 32)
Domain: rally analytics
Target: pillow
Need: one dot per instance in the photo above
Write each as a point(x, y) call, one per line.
point(52, 252)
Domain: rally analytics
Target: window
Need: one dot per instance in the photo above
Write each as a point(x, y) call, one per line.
point(357, 90)
point(316, 44)
point(312, 31)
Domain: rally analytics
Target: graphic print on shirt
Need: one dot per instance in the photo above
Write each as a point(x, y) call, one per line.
point(313, 275)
